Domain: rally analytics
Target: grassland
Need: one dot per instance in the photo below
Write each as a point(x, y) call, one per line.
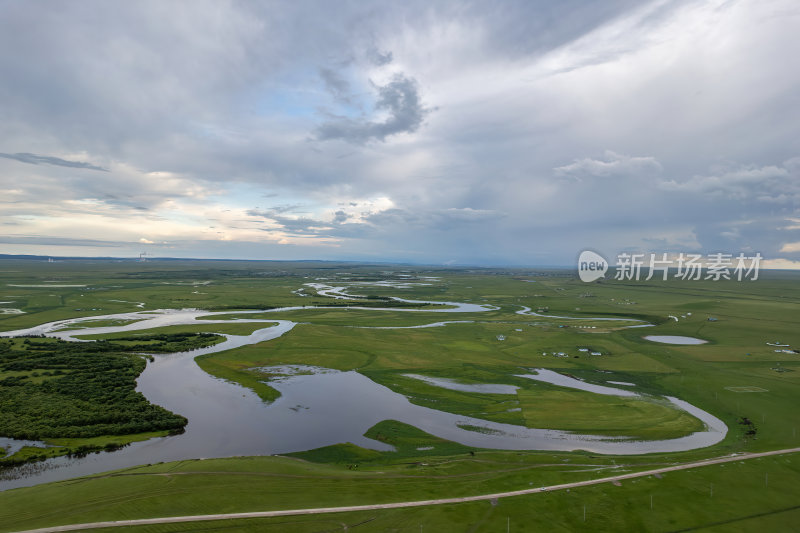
point(739, 496)
point(596, 414)
point(746, 497)
point(57, 447)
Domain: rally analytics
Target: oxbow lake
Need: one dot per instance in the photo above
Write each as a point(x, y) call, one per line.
point(318, 407)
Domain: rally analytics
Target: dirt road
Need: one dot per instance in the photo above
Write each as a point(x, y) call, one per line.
point(398, 505)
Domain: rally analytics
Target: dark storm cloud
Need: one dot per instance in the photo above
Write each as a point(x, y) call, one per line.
point(400, 98)
point(35, 159)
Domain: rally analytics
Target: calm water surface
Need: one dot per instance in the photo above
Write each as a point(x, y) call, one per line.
point(674, 339)
point(315, 409)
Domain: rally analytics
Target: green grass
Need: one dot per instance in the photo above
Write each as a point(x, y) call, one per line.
point(231, 329)
point(238, 371)
point(498, 408)
point(742, 492)
point(748, 315)
point(596, 414)
point(78, 446)
point(408, 441)
point(100, 323)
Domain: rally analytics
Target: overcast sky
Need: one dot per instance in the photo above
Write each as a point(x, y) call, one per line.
point(492, 133)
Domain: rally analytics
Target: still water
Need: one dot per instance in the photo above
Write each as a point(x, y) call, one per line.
point(674, 339)
point(315, 409)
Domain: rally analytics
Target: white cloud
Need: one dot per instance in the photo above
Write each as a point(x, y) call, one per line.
point(781, 264)
point(770, 184)
point(613, 165)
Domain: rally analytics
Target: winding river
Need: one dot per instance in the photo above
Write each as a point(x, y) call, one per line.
point(314, 410)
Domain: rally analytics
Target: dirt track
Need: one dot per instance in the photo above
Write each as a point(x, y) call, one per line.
point(398, 505)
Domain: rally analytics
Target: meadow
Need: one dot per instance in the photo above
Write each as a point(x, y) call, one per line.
point(738, 319)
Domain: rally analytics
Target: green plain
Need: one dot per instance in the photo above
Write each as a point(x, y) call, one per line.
point(752, 495)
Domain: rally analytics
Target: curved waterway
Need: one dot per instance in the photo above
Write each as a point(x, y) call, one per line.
point(527, 312)
point(314, 410)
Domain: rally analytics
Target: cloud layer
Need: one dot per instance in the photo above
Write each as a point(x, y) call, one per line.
point(34, 159)
point(399, 99)
point(430, 132)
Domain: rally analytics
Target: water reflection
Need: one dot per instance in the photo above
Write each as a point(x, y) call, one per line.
point(315, 409)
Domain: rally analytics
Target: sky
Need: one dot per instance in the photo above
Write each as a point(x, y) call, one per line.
point(433, 132)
